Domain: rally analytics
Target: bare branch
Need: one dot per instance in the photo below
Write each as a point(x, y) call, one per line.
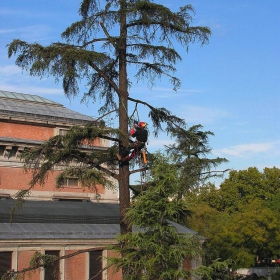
point(139, 170)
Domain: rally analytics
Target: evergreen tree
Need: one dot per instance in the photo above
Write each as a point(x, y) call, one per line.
point(156, 250)
point(132, 33)
point(190, 155)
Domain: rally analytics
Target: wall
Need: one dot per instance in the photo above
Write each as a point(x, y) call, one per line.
point(26, 131)
point(74, 268)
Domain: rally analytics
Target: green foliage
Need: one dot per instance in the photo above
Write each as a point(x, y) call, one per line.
point(246, 185)
point(240, 219)
point(190, 153)
point(275, 276)
point(217, 270)
point(66, 152)
point(156, 249)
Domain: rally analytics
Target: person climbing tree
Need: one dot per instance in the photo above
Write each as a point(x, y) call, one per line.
point(140, 132)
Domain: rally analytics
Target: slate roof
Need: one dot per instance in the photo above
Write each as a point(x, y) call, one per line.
point(34, 107)
point(63, 220)
point(29, 231)
point(70, 212)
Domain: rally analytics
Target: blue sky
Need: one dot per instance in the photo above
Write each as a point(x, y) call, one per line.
point(231, 86)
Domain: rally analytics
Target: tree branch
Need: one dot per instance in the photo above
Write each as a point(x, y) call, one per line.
point(139, 170)
point(100, 118)
point(167, 24)
point(215, 171)
point(108, 35)
point(12, 274)
point(101, 73)
point(107, 171)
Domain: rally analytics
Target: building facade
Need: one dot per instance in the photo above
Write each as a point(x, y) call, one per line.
point(59, 222)
point(26, 121)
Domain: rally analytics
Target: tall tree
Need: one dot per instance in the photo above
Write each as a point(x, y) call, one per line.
point(132, 33)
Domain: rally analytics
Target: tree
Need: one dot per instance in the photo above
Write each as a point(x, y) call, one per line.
point(241, 218)
point(189, 154)
point(156, 249)
point(243, 186)
point(136, 33)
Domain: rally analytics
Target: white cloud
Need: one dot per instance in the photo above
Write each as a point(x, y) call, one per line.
point(203, 115)
point(15, 80)
point(157, 144)
point(32, 90)
point(245, 150)
point(30, 33)
point(8, 11)
point(10, 70)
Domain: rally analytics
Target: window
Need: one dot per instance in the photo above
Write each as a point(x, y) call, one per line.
point(72, 182)
point(5, 262)
point(62, 131)
point(52, 270)
point(95, 264)
point(2, 149)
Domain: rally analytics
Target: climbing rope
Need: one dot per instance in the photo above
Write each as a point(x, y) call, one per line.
point(131, 119)
point(142, 157)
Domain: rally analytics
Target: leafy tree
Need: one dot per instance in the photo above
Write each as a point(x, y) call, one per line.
point(243, 186)
point(137, 34)
point(240, 219)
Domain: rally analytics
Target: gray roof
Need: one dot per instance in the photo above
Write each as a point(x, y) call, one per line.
point(25, 97)
point(33, 107)
point(14, 231)
point(70, 212)
point(63, 220)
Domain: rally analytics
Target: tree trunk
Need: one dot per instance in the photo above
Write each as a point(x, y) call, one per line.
point(124, 195)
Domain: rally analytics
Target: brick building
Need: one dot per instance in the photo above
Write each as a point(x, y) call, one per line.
point(52, 221)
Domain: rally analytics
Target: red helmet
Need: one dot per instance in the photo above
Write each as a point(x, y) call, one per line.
point(142, 124)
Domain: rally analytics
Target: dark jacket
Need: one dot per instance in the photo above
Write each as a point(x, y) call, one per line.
point(140, 134)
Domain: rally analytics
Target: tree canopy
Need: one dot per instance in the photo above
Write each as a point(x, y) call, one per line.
point(241, 217)
point(190, 155)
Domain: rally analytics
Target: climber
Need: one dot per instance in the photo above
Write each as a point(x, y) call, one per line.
point(140, 132)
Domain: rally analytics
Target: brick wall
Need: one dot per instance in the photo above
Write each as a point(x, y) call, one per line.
point(17, 179)
point(75, 267)
point(34, 132)
point(26, 131)
point(24, 258)
point(111, 273)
